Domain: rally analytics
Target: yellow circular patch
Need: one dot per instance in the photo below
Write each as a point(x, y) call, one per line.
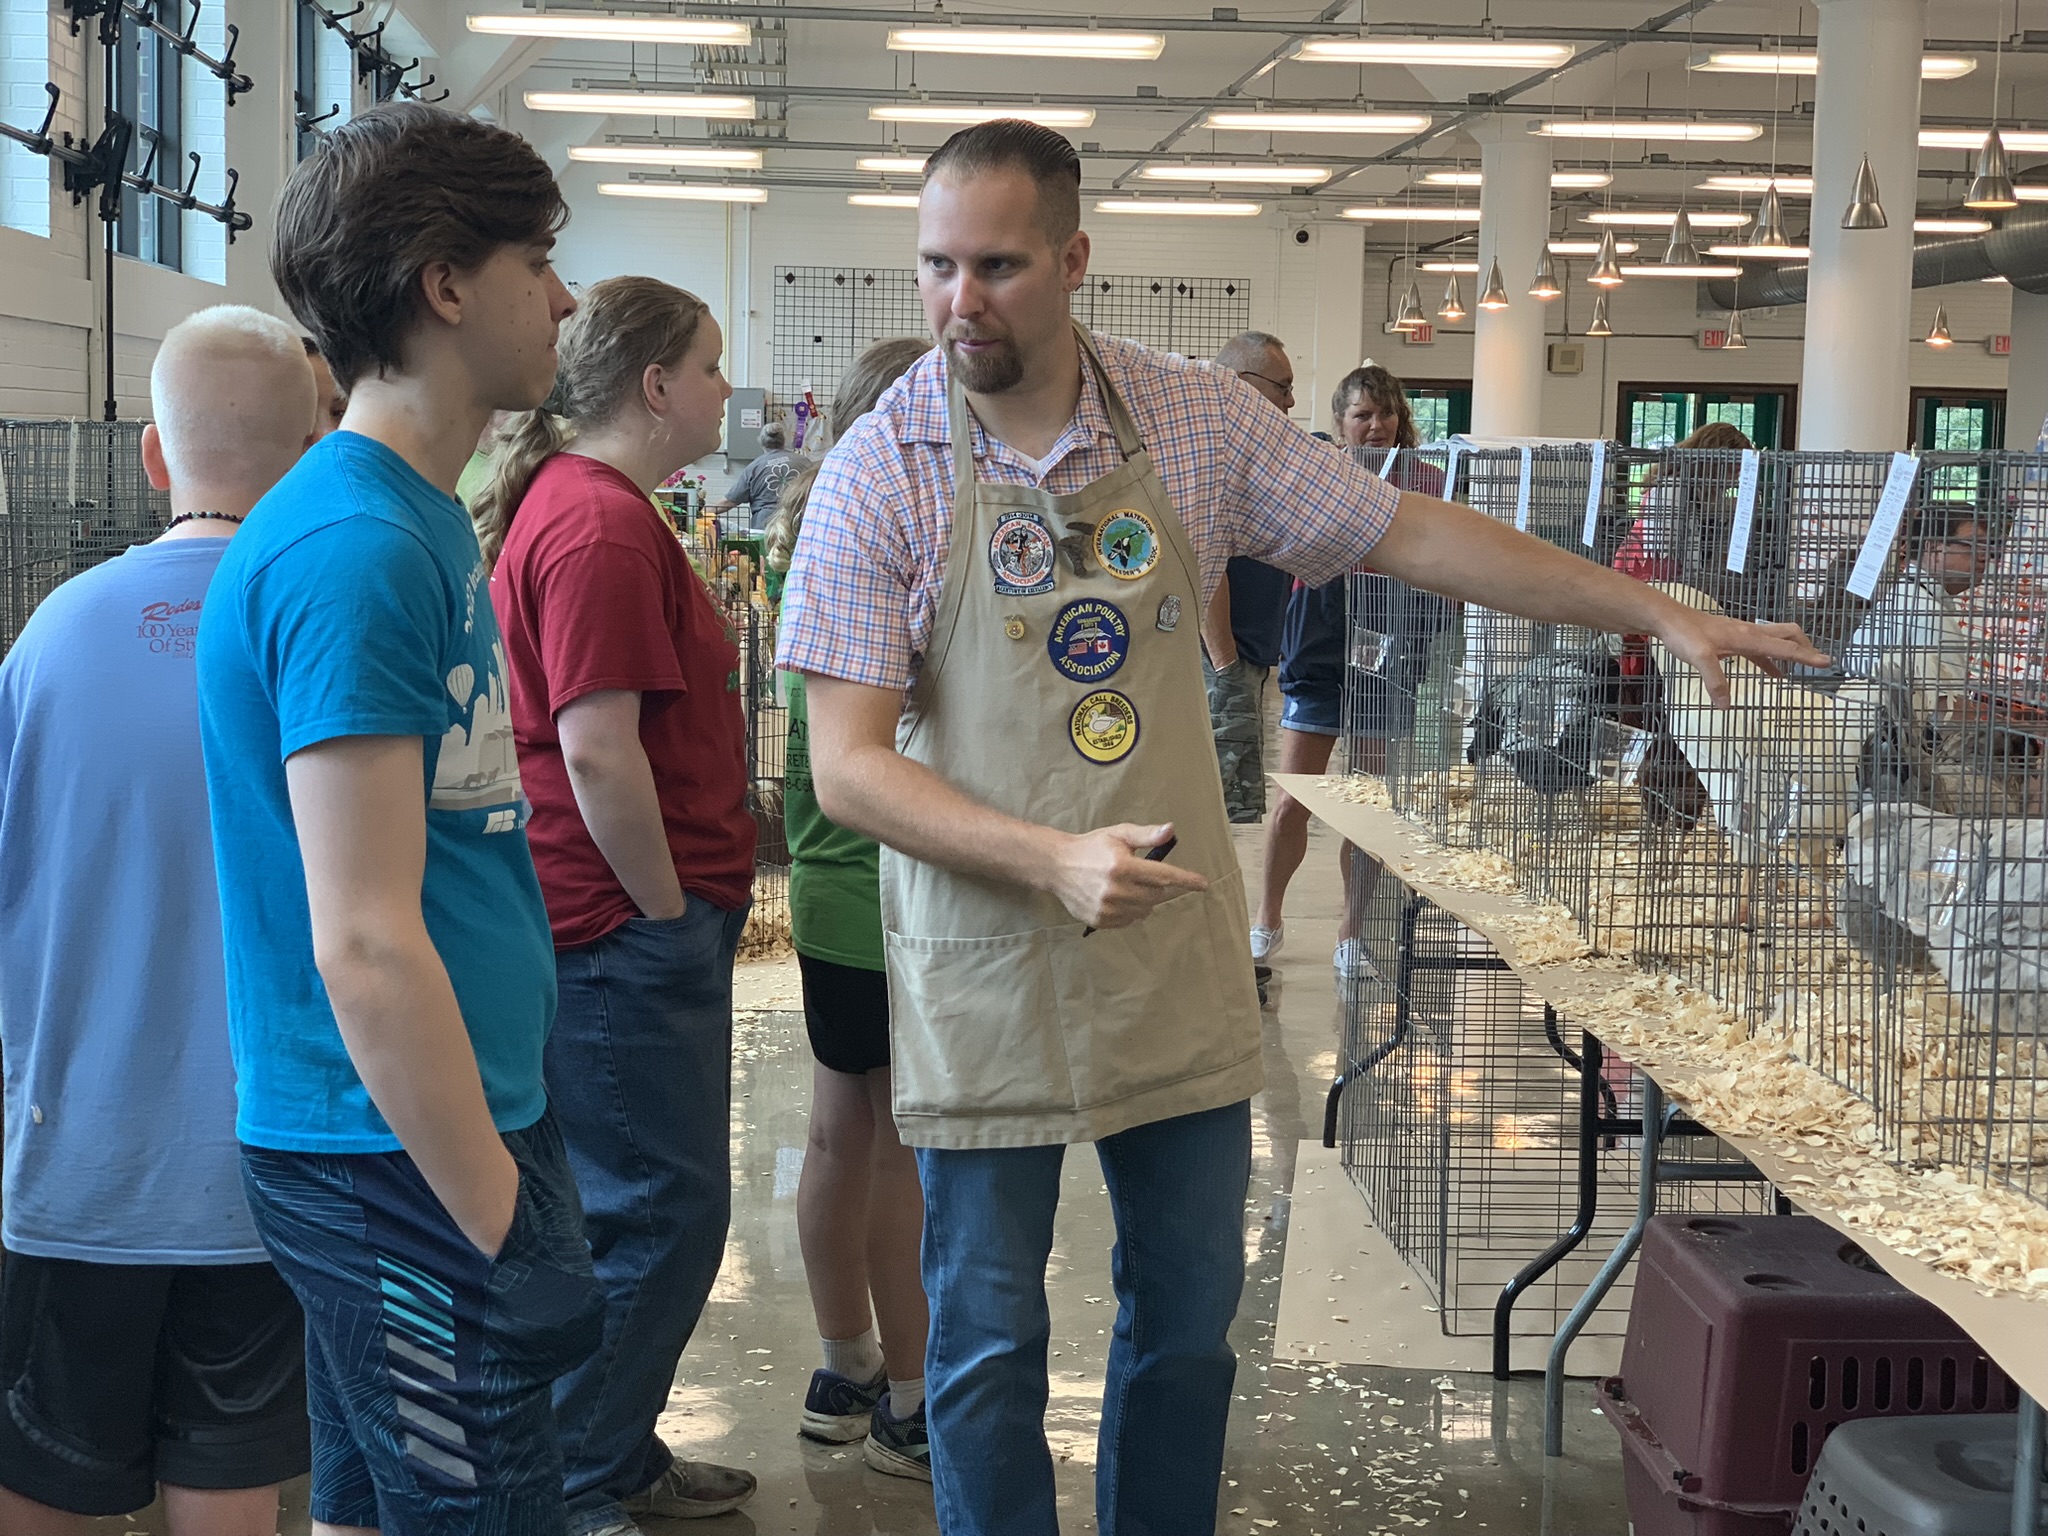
point(1127, 544)
point(1104, 726)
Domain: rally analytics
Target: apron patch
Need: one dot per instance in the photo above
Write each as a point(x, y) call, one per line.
point(1127, 544)
point(1104, 726)
point(1076, 543)
point(1020, 552)
point(1169, 612)
point(1089, 640)
point(1013, 625)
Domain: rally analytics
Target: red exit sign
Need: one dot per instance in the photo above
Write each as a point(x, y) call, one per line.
point(1713, 341)
point(1421, 335)
point(1998, 346)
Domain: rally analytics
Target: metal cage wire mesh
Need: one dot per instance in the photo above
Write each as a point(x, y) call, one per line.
point(1851, 858)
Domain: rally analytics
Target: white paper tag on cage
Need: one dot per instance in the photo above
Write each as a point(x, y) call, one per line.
point(1745, 511)
point(1623, 750)
point(1522, 489)
point(1370, 649)
point(1451, 471)
point(1387, 469)
point(1884, 525)
point(1596, 482)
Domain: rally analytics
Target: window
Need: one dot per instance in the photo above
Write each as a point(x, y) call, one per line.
point(149, 91)
point(1957, 424)
point(1442, 408)
point(323, 78)
point(1664, 415)
point(24, 66)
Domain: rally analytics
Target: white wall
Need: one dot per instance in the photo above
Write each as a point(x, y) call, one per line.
point(50, 306)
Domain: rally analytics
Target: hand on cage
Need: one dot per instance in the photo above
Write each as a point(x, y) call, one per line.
point(1703, 639)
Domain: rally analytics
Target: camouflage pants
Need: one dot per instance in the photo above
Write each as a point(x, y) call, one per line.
point(1236, 696)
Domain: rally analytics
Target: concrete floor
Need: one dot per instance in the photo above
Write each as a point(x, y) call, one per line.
point(1313, 1452)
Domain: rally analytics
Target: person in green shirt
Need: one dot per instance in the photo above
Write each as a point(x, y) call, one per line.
point(859, 1206)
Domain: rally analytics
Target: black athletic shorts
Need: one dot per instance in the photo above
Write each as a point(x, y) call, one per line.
point(846, 1012)
point(117, 1377)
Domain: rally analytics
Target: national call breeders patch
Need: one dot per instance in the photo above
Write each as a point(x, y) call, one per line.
point(1104, 726)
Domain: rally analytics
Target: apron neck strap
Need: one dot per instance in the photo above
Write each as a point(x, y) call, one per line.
point(961, 425)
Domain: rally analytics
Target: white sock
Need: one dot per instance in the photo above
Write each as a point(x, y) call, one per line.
point(905, 1397)
point(856, 1359)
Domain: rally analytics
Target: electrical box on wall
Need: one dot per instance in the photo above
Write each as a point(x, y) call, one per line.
point(1567, 357)
point(745, 414)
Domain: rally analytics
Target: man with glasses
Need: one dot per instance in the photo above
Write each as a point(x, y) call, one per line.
point(1241, 625)
point(1913, 635)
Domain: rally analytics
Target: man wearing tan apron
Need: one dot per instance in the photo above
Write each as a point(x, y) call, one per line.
point(996, 601)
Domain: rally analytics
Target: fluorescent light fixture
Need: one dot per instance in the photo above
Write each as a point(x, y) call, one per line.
point(1688, 269)
point(1571, 181)
point(1756, 186)
point(1260, 175)
point(1427, 213)
point(1697, 218)
point(597, 28)
point(1032, 43)
point(1763, 252)
point(967, 117)
point(1411, 52)
point(1933, 66)
point(2033, 194)
point(665, 154)
point(641, 103)
point(1192, 210)
point(1589, 247)
point(1471, 267)
point(686, 191)
point(2020, 141)
point(1671, 128)
point(891, 165)
point(1996, 277)
point(1317, 122)
point(1954, 226)
point(882, 199)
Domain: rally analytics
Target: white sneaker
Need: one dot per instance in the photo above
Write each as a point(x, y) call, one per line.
point(1266, 942)
point(1353, 963)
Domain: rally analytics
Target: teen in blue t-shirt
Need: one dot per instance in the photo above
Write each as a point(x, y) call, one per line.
point(390, 974)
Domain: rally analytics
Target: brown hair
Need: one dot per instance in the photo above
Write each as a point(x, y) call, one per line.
point(1011, 144)
point(859, 388)
point(622, 327)
point(387, 193)
point(1384, 390)
point(1720, 436)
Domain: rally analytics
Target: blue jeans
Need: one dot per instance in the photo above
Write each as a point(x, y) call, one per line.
point(1177, 1188)
point(639, 1073)
point(427, 1364)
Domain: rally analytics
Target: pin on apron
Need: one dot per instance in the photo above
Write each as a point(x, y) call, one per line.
point(1008, 1026)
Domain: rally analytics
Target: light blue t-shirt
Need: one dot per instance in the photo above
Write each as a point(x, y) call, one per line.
point(353, 603)
point(113, 1014)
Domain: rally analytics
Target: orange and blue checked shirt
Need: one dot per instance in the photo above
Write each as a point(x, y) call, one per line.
point(864, 584)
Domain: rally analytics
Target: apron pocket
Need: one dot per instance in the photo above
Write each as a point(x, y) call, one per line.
point(1153, 1004)
point(974, 1026)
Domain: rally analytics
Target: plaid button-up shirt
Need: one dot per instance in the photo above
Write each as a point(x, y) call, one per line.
point(864, 585)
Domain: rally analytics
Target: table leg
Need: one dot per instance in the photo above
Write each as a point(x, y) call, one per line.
point(2026, 1471)
point(1654, 1118)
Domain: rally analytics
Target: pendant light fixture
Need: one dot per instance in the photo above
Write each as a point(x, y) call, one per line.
point(1937, 333)
point(1599, 325)
point(1864, 211)
point(1991, 187)
point(1452, 310)
point(1496, 295)
point(1410, 316)
point(1769, 238)
point(1736, 341)
point(1545, 286)
point(1606, 271)
point(1681, 252)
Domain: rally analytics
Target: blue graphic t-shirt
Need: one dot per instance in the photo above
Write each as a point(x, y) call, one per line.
point(113, 1017)
point(352, 603)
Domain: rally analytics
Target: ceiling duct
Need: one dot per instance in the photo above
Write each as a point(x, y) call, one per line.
point(2016, 251)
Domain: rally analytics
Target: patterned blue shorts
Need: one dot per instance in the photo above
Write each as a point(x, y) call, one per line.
point(429, 1366)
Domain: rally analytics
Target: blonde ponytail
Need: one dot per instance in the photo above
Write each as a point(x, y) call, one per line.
point(522, 445)
point(788, 520)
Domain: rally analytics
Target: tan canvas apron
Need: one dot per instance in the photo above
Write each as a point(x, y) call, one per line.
point(1009, 1027)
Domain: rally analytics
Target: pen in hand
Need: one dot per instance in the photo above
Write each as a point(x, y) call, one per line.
point(1152, 855)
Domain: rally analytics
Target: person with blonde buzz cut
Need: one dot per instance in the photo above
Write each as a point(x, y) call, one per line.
point(146, 1341)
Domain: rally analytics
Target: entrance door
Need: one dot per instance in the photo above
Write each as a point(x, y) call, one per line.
point(1662, 416)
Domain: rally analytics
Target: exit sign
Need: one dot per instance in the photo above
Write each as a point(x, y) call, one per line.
point(1421, 335)
point(1998, 346)
point(1713, 341)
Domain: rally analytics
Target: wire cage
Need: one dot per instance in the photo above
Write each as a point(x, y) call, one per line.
point(72, 493)
point(1462, 1131)
point(1852, 858)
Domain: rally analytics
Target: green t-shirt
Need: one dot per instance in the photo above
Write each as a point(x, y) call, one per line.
point(835, 876)
point(475, 475)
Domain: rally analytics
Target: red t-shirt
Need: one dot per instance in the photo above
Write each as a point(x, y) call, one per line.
point(593, 593)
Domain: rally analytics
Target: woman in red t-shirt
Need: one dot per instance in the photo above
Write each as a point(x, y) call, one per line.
point(624, 683)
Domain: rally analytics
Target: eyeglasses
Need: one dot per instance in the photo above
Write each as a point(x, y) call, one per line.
point(1286, 387)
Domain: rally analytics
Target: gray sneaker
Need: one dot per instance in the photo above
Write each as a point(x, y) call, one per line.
point(691, 1490)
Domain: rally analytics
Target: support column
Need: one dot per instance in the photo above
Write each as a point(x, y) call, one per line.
point(1514, 221)
point(1336, 342)
point(2026, 371)
point(1853, 379)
